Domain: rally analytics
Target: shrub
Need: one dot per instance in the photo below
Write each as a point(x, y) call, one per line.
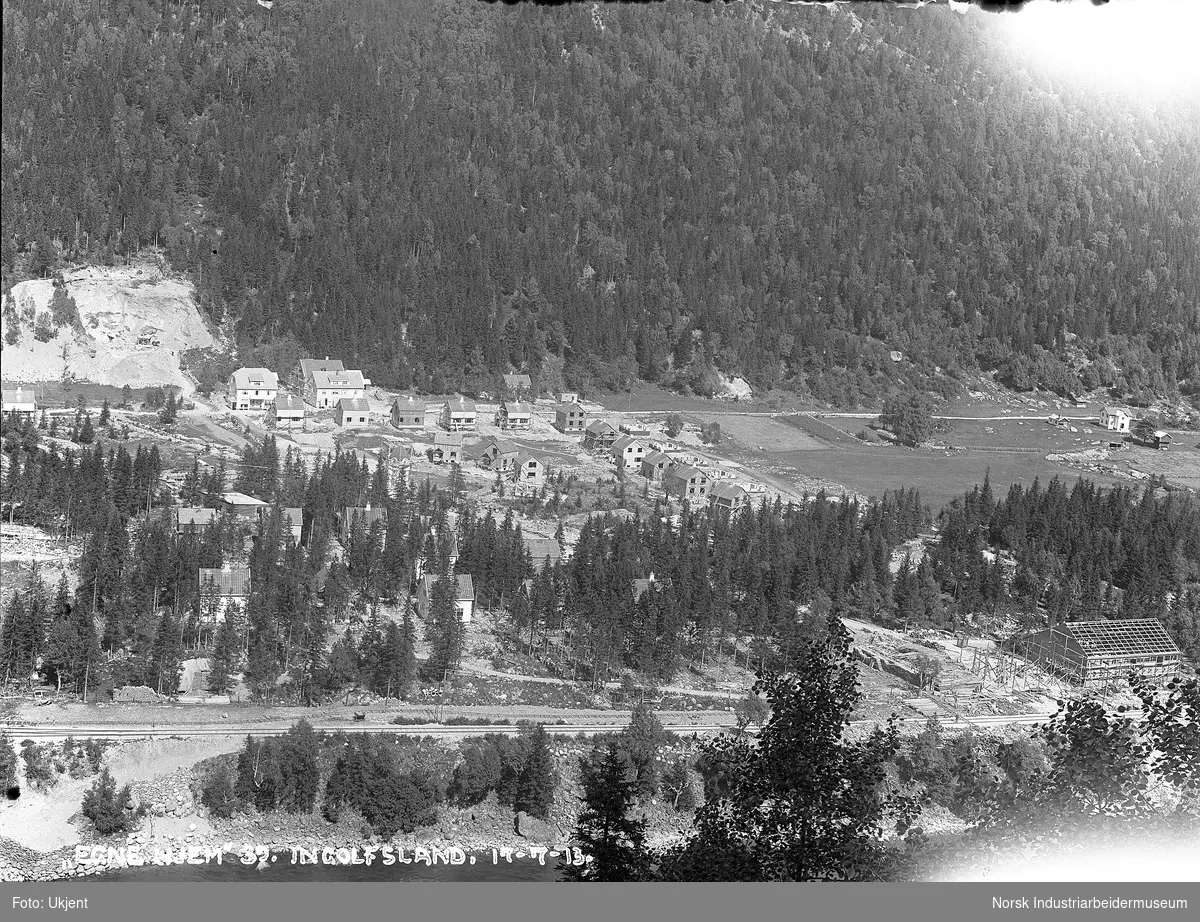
point(39, 768)
point(217, 794)
point(109, 810)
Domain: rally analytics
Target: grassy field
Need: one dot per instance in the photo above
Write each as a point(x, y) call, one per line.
point(64, 395)
point(807, 448)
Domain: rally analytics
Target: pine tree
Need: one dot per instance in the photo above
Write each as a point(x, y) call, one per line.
point(224, 658)
point(643, 739)
point(444, 630)
point(87, 434)
point(538, 779)
point(605, 831)
point(167, 656)
point(105, 413)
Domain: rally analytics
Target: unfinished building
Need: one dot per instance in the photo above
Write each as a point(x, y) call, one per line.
point(1096, 654)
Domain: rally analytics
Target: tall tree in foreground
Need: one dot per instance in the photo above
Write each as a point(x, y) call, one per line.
point(803, 802)
point(538, 779)
point(605, 829)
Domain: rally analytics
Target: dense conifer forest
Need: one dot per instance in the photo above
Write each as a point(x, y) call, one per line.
point(444, 191)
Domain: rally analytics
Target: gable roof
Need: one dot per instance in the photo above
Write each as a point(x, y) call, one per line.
point(353, 405)
point(339, 379)
point(543, 548)
point(230, 581)
point(466, 587)
point(517, 381)
point(256, 378)
point(308, 366)
point(408, 404)
point(600, 427)
point(686, 472)
point(286, 402)
point(18, 395)
point(1121, 637)
point(234, 498)
point(516, 408)
point(460, 404)
point(524, 457)
point(727, 491)
point(194, 515)
point(448, 438)
point(656, 458)
point(1116, 411)
point(502, 446)
point(626, 441)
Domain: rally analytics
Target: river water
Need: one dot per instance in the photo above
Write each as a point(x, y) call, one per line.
point(231, 869)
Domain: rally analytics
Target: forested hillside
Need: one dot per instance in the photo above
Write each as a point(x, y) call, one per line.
point(439, 191)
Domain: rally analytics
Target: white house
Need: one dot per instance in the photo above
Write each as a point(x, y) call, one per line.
point(328, 387)
point(231, 584)
point(19, 401)
point(287, 411)
point(253, 388)
point(628, 452)
point(353, 411)
point(464, 596)
point(458, 414)
point(1115, 419)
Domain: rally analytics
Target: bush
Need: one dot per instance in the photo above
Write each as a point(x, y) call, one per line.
point(673, 424)
point(39, 766)
point(711, 433)
point(109, 810)
point(217, 794)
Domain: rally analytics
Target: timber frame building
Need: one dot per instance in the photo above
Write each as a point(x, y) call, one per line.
point(1095, 654)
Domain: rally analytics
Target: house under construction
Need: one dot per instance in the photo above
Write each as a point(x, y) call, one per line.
point(1096, 654)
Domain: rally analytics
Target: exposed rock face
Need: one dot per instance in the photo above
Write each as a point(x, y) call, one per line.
point(530, 827)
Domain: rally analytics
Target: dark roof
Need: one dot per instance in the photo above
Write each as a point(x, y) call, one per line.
point(368, 515)
point(543, 548)
point(504, 446)
point(194, 515)
point(354, 405)
point(517, 381)
point(466, 588)
point(625, 441)
point(230, 581)
point(1121, 637)
point(656, 458)
point(308, 366)
point(686, 472)
point(288, 402)
point(600, 427)
point(727, 491)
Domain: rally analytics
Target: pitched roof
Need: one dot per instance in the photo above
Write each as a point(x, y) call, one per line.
point(656, 458)
point(466, 588)
point(256, 378)
point(308, 366)
point(503, 446)
point(686, 472)
point(448, 438)
point(625, 441)
point(234, 498)
point(517, 381)
point(1121, 637)
point(288, 403)
point(461, 404)
point(194, 515)
point(517, 408)
point(543, 548)
point(354, 405)
point(1114, 411)
point(339, 379)
point(18, 395)
point(230, 581)
point(368, 515)
point(600, 427)
point(408, 404)
point(524, 457)
point(727, 491)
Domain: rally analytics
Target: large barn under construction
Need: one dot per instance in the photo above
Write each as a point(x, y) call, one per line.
point(1095, 654)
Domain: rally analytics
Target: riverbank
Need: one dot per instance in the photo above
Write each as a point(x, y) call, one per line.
point(166, 778)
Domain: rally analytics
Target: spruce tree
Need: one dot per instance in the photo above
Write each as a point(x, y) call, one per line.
point(605, 830)
point(643, 739)
point(223, 661)
point(538, 778)
point(444, 630)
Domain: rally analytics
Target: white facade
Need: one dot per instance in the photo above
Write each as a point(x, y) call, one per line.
point(253, 388)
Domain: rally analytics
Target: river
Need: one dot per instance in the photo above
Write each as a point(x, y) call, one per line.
point(283, 869)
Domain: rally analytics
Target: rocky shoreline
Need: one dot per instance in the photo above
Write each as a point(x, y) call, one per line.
point(176, 829)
